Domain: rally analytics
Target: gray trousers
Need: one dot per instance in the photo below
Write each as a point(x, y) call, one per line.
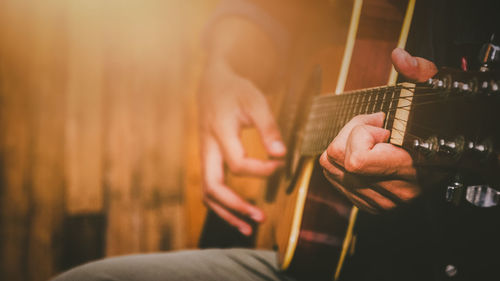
point(207, 265)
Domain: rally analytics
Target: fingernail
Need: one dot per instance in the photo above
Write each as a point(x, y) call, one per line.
point(245, 230)
point(278, 147)
point(257, 217)
point(411, 60)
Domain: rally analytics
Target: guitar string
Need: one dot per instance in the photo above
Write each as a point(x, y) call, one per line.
point(375, 89)
point(321, 148)
point(381, 103)
point(318, 106)
point(378, 90)
point(327, 106)
point(328, 111)
point(323, 126)
point(328, 100)
point(320, 119)
point(397, 130)
point(333, 130)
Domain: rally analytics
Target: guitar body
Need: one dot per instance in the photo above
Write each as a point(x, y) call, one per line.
point(311, 230)
point(448, 125)
point(307, 219)
point(311, 218)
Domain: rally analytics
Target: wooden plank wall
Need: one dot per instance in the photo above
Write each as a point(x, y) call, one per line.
point(95, 99)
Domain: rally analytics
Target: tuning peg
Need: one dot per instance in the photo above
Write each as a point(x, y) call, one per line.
point(489, 54)
point(482, 149)
point(465, 87)
point(454, 191)
point(453, 148)
point(439, 83)
point(485, 85)
point(482, 196)
point(489, 87)
point(460, 86)
point(427, 147)
point(494, 86)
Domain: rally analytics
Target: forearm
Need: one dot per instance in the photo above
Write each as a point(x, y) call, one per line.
point(245, 47)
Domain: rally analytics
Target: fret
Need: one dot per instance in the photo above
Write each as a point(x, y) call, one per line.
point(352, 111)
point(345, 113)
point(386, 104)
point(393, 108)
point(329, 114)
point(366, 99)
point(328, 122)
point(357, 102)
point(347, 110)
point(369, 109)
point(339, 119)
point(401, 114)
point(380, 97)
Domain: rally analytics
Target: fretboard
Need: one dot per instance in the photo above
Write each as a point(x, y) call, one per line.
point(329, 113)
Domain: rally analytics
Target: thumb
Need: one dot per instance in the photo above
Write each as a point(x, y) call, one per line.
point(260, 113)
point(414, 68)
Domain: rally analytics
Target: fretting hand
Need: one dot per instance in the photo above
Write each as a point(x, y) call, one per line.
point(372, 173)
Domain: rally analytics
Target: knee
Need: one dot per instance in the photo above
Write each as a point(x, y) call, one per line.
point(94, 271)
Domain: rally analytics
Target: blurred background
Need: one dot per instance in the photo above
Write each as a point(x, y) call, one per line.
point(96, 103)
point(99, 150)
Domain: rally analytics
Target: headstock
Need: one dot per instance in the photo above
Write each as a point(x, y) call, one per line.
point(454, 127)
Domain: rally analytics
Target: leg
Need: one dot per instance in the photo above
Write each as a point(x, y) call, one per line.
point(206, 265)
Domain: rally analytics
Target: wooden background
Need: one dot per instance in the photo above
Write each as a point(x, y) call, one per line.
point(95, 109)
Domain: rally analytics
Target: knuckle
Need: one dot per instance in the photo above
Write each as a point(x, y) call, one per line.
point(359, 129)
point(209, 191)
point(387, 205)
point(407, 196)
point(323, 161)
point(206, 200)
point(355, 163)
point(271, 128)
point(250, 94)
point(334, 150)
point(358, 118)
point(236, 166)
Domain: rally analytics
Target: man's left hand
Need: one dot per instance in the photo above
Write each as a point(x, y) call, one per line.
point(372, 173)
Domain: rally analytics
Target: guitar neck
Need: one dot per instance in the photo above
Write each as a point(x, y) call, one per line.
point(329, 113)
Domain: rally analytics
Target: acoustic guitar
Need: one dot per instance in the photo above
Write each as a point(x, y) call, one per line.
point(446, 124)
point(439, 123)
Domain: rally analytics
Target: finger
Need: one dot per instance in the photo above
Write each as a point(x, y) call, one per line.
point(214, 187)
point(234, 153)
point(357, 186)
point(414, 68)
point(352, 196)
point(258, 110)
point(337, 148)
point(368, 153)
point(330, 167)
point(380, 195)
point(228, 199)
point(403, 190)
point(233, 220)
point(376, 199)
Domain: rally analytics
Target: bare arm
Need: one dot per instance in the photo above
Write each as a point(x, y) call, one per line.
point(241, 60)
point(372, 173)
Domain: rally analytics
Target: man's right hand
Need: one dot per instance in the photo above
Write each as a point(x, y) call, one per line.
point(228, 103)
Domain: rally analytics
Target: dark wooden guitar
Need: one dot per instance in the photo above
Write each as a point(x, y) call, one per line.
point(445, 124)
point(450, 124)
